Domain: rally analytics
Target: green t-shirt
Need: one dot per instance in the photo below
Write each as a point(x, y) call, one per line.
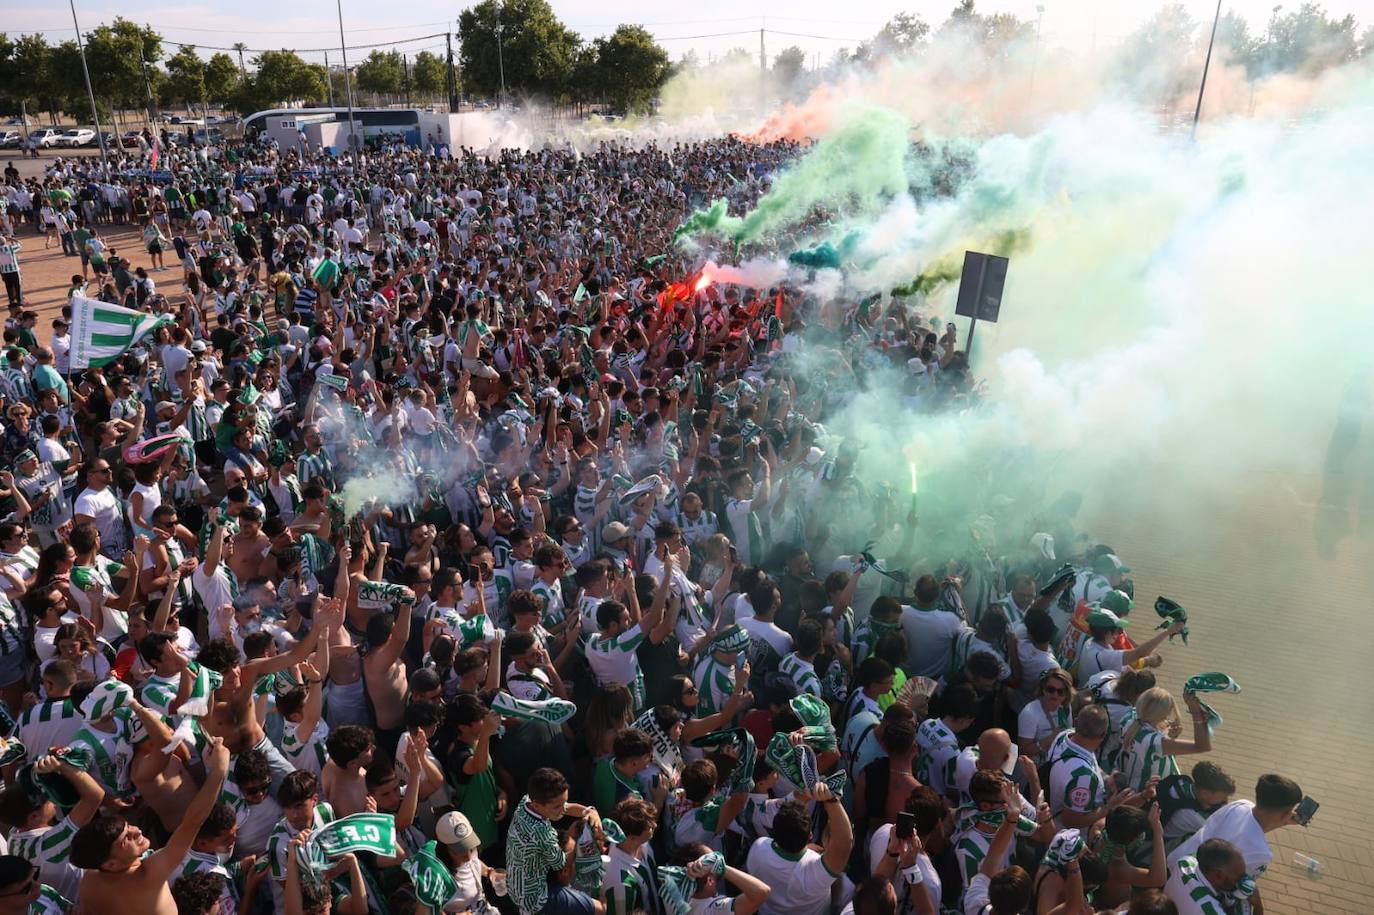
point(474, 795)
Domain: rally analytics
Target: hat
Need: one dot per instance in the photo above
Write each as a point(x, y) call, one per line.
point(199, 346)
point(454, 828)
point(1103, 619)
point(915, 366)
point(1110, 564)
point(614, 532)
point(1044, 543)
point(164, 405)
point(731, 639)
point(1117, 602)
point(26, 455)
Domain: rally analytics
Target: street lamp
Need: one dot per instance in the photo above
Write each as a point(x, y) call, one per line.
point(1035, 59)
point(1197, 112)
point(95, 113)
point(501, 65)
point(348, 82)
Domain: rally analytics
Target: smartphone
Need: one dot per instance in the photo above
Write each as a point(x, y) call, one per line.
point(906, 825)
point(1306, 808)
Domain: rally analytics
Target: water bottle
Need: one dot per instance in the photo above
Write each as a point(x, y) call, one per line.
point(1312, 866)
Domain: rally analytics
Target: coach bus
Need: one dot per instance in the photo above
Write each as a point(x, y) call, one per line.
point(374, 122)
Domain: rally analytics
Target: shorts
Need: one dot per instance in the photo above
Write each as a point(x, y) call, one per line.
point(154, 247)
point(178, 212)
point(11, 668)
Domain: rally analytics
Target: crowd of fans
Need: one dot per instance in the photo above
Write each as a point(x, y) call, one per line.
point(455, 547)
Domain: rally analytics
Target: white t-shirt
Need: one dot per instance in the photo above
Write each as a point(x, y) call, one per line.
point(930, 879)
point(213, 590)
point(1094, 658)
point(801, 884)
point(1034, 724)
point(1236, 823)
point(105, 509)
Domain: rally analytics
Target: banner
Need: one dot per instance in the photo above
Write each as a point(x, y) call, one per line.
point(102, 333)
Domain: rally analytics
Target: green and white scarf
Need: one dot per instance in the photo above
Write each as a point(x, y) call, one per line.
point(553, 711)
point(369, 832)
point(204, 686)
point(1210, 683)
point(434, 884)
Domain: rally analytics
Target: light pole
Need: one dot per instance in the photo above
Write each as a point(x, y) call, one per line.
point(348, 83)
point(95, 113)
point(1035, 60)
point(501, 66)
point(1197, 112)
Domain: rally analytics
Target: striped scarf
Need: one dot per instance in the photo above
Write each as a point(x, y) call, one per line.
point(369, 832)
point(206, 682)
point(434, 884)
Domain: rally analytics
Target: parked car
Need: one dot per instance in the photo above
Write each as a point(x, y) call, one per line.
point(111, 141)
point(130, 139)
point(207, 136)
point(15, 121)
point(42, 138)
point(77, 136)
point(10, 139)
point(176, 138)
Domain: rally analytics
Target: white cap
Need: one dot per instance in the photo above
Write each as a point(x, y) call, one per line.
point(454, 828)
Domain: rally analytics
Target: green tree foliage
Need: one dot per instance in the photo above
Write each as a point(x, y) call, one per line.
point(281, 78)
point(116, 54)
point(632, 67)
point(902, 34)
point(185, 77)
point(789, 65)
point(221, 78)
point(427, 74)
point(381, 72)
point(538, 51)
point(1306, 41)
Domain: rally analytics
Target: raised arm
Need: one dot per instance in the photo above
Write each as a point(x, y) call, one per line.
point(840, 842)
point(165, 861)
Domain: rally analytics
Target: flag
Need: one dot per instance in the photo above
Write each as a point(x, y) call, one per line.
point(102, 333)
point(157, 154)
point(777, 309)
point(434, 883)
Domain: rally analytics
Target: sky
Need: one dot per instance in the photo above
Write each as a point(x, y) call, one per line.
point(817, 27)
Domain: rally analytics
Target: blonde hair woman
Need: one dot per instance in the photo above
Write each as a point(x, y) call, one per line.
point(1150, 741)
point(1046, 715)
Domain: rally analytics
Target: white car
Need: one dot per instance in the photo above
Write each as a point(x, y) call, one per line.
point(77, 136)
point(42, 138)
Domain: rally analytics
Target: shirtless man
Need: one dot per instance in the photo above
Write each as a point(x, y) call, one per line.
point(346, 697)
point(232, 716)
point(385, 671)
point(118, 878)
point(250, 544)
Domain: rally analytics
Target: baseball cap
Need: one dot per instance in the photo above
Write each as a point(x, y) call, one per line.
point(1118, 602)
point(454, 828)
point(199, 346)
point(1103, 619)
point(614, 532)
point(1109, 564)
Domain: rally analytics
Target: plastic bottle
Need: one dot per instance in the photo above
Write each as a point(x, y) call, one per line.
point(1312, 866)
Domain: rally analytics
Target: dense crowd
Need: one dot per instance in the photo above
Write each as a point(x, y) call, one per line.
point(452, 544)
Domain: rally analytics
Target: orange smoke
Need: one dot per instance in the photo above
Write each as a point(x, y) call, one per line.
point(806, 121)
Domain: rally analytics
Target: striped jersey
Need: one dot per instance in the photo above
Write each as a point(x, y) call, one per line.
point(550, 595)
point(1192, 893)
point(11, 630)
point(939, 753)
point(614, 662)
point(1076, 780)
point(50, 723)
point(309, 754)
point(630, 883)
point(715, 683)
point(695, 531)
point(113, 751)
point(802, 673)
point(532, 850)
point(49, 849)
point(50, 902)
point(158, 693)
point(971, 846)
point(1144, 757)
point(279, 846)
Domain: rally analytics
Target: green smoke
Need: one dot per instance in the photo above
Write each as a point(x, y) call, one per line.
point(856, 169)
point(949, 267)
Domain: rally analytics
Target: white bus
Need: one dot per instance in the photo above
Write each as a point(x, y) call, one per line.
point(402, 123)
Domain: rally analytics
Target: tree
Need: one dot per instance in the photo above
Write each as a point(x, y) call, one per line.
point(1156, 61)
point(221, 78)
point(632, 67)
point(1235, 45)
point(186, 77)
point(789, 65)
point(240, 48)
point(281, 78)
point(1305, 41)
point(116, 54)
point(537, 50)
point(901, 35)
point(428, 74)
point(381, 72)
